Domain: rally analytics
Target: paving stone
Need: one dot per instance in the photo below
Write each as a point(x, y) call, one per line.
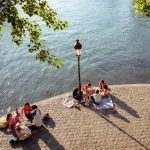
point(85, 129)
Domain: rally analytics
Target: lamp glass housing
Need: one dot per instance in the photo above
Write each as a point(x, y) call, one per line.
point(78, 52)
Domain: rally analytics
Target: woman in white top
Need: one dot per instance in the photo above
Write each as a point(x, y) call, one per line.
point(37, 119)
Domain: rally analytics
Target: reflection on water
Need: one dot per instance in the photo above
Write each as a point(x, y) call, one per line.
point(115, 48)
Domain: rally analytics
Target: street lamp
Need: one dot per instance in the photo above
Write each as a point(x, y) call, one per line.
point(78, 47)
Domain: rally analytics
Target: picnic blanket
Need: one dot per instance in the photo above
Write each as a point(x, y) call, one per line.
point(106, 103)
point(70, 102)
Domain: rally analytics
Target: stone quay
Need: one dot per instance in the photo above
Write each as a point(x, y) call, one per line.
point(90, 129)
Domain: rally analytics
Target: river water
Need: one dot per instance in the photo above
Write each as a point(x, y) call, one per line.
point(116, 47)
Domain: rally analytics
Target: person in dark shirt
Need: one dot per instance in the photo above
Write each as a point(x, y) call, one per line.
point(77, 95)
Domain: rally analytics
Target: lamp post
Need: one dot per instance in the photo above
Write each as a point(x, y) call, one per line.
point(78, 47)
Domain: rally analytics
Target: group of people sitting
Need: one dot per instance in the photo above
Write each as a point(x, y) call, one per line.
point(22, 123)
point(96, 94)
point(30, 118)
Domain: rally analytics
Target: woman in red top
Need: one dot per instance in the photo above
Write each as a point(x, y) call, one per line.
point(26, 110)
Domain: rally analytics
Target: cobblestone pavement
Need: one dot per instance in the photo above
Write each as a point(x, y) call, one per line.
point(90, 129)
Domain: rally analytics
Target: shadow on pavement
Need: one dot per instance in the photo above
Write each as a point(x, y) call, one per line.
point(44, 135)
point(104, 114)
point(121, 104)
point(107, 113)
point(115, 114)
point(123, 131)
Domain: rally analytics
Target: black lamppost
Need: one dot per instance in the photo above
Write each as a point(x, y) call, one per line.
point(77, 47)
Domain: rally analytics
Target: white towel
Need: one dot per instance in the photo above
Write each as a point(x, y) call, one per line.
point(106, 103)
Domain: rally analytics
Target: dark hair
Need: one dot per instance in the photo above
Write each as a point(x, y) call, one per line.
point(102, 81)
point(34, 107)
point(26, 104)
point(8, 116)
point(97, 91)
point(105, 86)
point(34, 113)
point(18, 128)
point(89, 84)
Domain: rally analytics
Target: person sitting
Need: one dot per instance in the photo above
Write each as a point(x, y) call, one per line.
point(86, 86)
point(12, 121)
point(77, 95)
point(100, 85)
point(87, 90)
point(37, 120)
point(26, 110)
point(23, 132)
point(105, 91)
point(35, 108)
point(96, 98)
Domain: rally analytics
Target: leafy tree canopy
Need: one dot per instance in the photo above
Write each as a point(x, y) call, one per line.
point(142, 7)
point(20, 26)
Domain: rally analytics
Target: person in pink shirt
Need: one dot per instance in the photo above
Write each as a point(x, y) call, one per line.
point(85, 87)
point(12, 121)
point(87, 90)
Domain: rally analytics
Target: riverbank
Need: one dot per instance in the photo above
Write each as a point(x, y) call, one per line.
point(87, 129)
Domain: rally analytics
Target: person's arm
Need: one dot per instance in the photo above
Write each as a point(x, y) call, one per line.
point(33, 122)
point(22, 111)
point(31, 108)
point(9, 126)
point(106, 94)
point(99, 85)
point(109, 89)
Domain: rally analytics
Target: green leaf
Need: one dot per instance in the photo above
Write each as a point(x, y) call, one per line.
point(142, 7)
